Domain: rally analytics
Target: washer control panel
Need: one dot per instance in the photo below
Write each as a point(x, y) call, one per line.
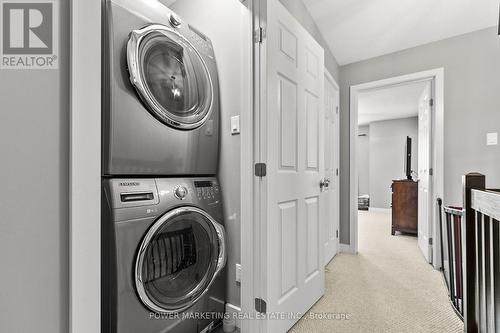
point(206, 189)
point(126, 192)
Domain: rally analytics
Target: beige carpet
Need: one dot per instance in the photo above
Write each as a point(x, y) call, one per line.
point(387, 287)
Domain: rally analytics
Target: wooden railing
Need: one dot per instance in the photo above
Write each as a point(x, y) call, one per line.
point(481, 256)
point(453, 236)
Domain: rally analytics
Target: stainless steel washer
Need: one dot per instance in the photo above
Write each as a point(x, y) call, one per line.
point(161, 93)
point(164, 253)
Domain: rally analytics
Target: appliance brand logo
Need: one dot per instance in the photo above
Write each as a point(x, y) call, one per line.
point(29, 34)
point(129, 184)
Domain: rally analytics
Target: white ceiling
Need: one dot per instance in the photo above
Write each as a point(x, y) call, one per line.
point(363, 29)
point(389, 103)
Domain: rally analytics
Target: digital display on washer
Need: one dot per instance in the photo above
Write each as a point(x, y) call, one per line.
point(203, 183)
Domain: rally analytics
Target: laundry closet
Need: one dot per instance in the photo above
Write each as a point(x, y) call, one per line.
point(174, 84)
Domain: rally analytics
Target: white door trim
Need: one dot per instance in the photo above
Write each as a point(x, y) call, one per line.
point(437, 75)
point(249, 211)
point(85, 167)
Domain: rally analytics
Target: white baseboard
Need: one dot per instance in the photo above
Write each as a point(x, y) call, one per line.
point(234, 312)
point(380, 210)
point(346, 248)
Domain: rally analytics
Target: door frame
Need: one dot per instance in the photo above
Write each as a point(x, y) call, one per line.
point(249, 183)
point(329, 77)
point(437, 77)
point(85, 167)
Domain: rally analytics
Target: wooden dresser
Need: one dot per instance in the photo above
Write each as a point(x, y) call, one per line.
point(404, 206)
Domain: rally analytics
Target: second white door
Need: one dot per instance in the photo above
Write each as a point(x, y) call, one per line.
point(424, 172)
point(331, 193)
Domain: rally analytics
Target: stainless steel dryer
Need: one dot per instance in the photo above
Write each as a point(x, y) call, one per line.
point(164, 253)
point(160, 95)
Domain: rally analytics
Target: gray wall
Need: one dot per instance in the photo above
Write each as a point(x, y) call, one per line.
point(472, 80)
point(213, 18)
point(300, 12)
point(363, 159)
point(387, 155)
point(34, 228)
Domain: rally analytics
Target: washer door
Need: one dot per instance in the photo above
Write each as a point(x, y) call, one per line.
point(170, 76)
point(178, 259)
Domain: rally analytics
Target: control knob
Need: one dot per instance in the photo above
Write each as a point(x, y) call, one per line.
point(180, 192)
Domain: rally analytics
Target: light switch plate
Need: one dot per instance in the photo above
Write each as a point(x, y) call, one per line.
point(235, 125)
point(491, 139)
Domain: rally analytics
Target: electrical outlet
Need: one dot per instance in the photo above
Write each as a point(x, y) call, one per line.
point(238, 273)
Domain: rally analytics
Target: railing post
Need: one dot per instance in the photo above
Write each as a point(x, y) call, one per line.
point(440, 206)
point(469, 182)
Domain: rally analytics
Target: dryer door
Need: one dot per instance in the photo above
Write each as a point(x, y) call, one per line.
point(178, 259)
point(170, 76)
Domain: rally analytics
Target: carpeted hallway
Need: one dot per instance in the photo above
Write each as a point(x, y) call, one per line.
point(387, 287)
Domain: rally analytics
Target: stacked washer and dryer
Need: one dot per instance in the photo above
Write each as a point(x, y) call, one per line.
point(163, 240)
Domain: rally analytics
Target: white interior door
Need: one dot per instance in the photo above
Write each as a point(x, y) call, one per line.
point(331, 208)
point(291, 144)
point(424, 173)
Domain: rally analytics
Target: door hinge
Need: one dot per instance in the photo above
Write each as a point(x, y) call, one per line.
point(260, 305)
point(260, 169)
point(430, 240)
point(337, 233)
point(431, 102)
point(337, 171)
point(431, 172)
point(337, 108)
point(259, 35)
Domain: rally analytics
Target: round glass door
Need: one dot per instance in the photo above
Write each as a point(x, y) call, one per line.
point(179, 258)
point(170, 76)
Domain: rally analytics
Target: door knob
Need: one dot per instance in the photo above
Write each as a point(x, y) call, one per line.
point(323, 184)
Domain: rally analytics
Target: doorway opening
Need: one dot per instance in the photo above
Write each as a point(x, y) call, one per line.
point(396, 161)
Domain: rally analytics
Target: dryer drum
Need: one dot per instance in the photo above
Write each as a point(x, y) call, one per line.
point(169, 253)
point(170, 76)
